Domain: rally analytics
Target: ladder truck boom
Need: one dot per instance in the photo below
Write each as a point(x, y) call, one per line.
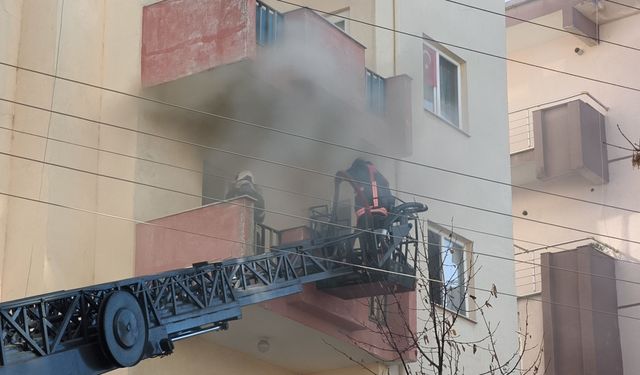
point(99, 328)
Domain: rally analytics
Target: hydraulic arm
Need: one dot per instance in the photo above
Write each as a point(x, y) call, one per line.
point(99, 328)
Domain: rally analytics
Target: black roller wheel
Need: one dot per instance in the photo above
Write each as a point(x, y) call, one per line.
point(122, 328)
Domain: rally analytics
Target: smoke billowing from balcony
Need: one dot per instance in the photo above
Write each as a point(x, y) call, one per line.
point(309, 81)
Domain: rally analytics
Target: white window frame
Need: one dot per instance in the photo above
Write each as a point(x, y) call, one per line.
point(437, 109)
point(465, 247)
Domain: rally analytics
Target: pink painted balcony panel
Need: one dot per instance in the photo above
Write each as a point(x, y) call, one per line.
point(221, 231)
point(211, 233)
point(184, 37)
point(188, 47)
point(348, 320)
point(332, 56)
point(181, 38)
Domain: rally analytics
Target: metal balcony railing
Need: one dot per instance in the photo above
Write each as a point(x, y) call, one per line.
point(521, 121)
point(266, 238)
point(520, 130)
point(374, 84)
point(529, 277)
point(269, 23)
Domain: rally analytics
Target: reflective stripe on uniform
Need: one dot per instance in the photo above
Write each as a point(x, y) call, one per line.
point(363, 210)
point(374, 184)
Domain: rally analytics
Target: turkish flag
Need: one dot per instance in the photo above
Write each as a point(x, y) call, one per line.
point(429, 61)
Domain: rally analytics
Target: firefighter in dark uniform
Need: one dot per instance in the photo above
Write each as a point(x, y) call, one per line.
point(372, 202)
point(245, 185)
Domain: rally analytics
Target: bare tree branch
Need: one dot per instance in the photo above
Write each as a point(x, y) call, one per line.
point(441, 301)
point(635, 157)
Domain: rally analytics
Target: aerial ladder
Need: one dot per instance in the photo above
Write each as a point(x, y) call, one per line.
point(99, 328)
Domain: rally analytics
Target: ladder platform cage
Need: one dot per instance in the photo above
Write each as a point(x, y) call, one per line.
point(383, 257)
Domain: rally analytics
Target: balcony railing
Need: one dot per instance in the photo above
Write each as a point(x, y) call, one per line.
point(521, 121)
point(528, 278)
point(374, 91)
point(269, 23)
point(520, 130)
point(266, 238)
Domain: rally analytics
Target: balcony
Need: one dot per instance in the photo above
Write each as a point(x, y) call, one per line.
point(203, 54)
point(294, 72)
point(558, 138)
point(299, 322)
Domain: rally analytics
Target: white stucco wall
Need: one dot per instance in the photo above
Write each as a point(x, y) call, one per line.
point(52, 247)
point(9, 41)
point(529, 86)
point(481, 149)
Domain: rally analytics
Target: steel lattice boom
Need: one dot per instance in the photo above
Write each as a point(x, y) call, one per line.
point(96, 329)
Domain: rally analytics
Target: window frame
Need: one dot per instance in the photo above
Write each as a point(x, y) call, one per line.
point(465, 247)
point(457, 62)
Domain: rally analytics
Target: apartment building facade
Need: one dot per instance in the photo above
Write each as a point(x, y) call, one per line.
point(224, 86)
point(568, 139)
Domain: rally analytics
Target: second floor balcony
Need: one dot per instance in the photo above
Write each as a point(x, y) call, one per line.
point(216, 56)
point(309, 324)
point(557, 138)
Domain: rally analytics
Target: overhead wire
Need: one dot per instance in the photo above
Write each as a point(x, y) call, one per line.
point(620, 147)
point(469, 49)
point(229, 179)
point(341, 226)
point(506, 58)
point(523, 20)
point(424, 37)
point(323, 141)
point(209, 147)
point(55, 76)
point(313, 171)
point(596, 39)
point(317, 140)
point(368, 268)
point(623, 4)
point(380, 155)
point(485, 290)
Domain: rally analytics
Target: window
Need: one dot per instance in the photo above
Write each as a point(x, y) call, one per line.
point(374, 86)
point(447, 263)
point(441, 85)
point(338, 21)
point(269, 24)
point(378, 309)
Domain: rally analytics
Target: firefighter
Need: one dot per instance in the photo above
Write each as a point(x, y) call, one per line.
point(372, 202)
point(245, 185)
